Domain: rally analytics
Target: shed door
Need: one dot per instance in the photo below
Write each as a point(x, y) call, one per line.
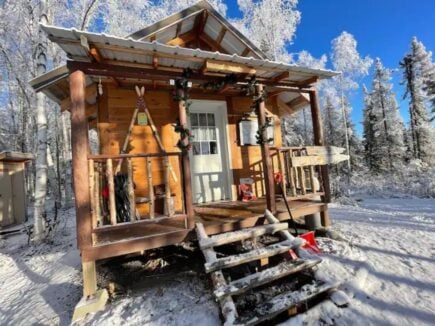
point(209, 153)
point(6, 203)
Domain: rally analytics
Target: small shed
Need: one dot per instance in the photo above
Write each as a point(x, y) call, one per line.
point(12, 187)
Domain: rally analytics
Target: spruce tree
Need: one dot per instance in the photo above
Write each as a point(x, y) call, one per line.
point(417, 71)
point(383, 126)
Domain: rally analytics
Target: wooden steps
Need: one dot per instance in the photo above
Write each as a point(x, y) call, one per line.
point(249, 233)
point(281, 267)
point(287, 301)
point(257, 254)
point(268, 275)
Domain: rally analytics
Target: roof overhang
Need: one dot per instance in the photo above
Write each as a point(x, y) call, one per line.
point(131, 61)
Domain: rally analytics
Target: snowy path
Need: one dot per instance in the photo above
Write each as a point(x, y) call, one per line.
point(387, 264)
point(39, 285)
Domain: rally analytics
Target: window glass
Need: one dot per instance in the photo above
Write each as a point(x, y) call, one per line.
point(210, 118)
point(205, 148)
point(194, 119)
point(203, 119)
point(213, 147)
point(196, 148)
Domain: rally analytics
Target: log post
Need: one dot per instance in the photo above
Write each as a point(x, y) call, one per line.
point(111, 187)
point(79, 148)
point(319, 141)
point(131, 196)
point(151, 196)
point(182, 116)
point(265, 154)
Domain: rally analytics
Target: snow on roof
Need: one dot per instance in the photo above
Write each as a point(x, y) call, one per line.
point(114, 48)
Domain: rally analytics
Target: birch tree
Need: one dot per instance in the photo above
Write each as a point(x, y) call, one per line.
point(270, 24)
point(41, 124)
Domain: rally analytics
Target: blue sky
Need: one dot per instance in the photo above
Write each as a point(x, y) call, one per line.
point(383, 28)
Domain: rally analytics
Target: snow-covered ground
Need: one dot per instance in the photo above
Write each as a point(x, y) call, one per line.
point(386, 262)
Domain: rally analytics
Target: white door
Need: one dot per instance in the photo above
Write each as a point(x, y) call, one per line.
point(209, 153)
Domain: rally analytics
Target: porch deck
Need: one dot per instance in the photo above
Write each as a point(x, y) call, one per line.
point(217, 217)
point(227, 216)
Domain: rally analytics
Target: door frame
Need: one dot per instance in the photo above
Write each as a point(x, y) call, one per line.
point(211, 106)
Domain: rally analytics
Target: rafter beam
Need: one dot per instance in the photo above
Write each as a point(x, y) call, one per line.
point(147, 72)
point(297, 101)
point(221, 35)
point(183, 38)
point(281, 76)
point(308, 81)
point(212, 43)
point(228, 67)
point(245, 52)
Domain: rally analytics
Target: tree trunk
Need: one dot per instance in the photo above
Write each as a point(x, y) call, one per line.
point(39, 212)
point(67, 159)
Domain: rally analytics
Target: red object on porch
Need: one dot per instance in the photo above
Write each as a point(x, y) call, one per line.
point(311, 244)
point(246, 192)
point(278, 177)
point(105, 192)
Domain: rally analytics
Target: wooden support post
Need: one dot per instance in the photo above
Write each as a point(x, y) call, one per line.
point(131, 196)
point(111, 186)
point(182, 116)
point(319, 141)
point(89, 278)
point(265, 154)
point(150, 188)
point(79, 147)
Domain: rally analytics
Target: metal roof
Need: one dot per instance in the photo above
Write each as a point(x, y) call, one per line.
point(138, 50)
point(114, 48)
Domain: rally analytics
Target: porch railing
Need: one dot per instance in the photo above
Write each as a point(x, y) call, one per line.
point(301, 176)
point(129, 188)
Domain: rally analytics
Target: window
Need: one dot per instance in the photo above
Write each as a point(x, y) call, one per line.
point(204, 134)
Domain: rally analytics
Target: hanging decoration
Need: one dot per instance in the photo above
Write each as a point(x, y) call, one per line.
point(181, 93)
point(263, 129)
point(229, 79)
point(257, 99)
point(182, 86)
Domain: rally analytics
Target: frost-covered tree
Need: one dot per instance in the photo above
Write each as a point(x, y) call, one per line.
point(346, 59)
point(270, 24)
point(417, 67)
point(384, 125)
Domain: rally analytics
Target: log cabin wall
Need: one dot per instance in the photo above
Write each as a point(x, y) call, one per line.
point(246, 160)
point(115, 109)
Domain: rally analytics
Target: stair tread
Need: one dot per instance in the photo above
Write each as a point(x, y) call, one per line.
point(266, 276)
point(230, 237)
point(256, 254)
point(287, 300)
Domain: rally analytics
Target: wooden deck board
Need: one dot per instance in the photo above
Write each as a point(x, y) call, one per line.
point(228, 216)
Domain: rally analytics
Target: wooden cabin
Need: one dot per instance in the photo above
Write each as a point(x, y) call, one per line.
point(208, 125)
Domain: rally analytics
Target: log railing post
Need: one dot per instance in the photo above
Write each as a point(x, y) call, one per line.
point(79, 148)
point(182, 116)
point(111, 187)
point(265, 153)
point(319, 141)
